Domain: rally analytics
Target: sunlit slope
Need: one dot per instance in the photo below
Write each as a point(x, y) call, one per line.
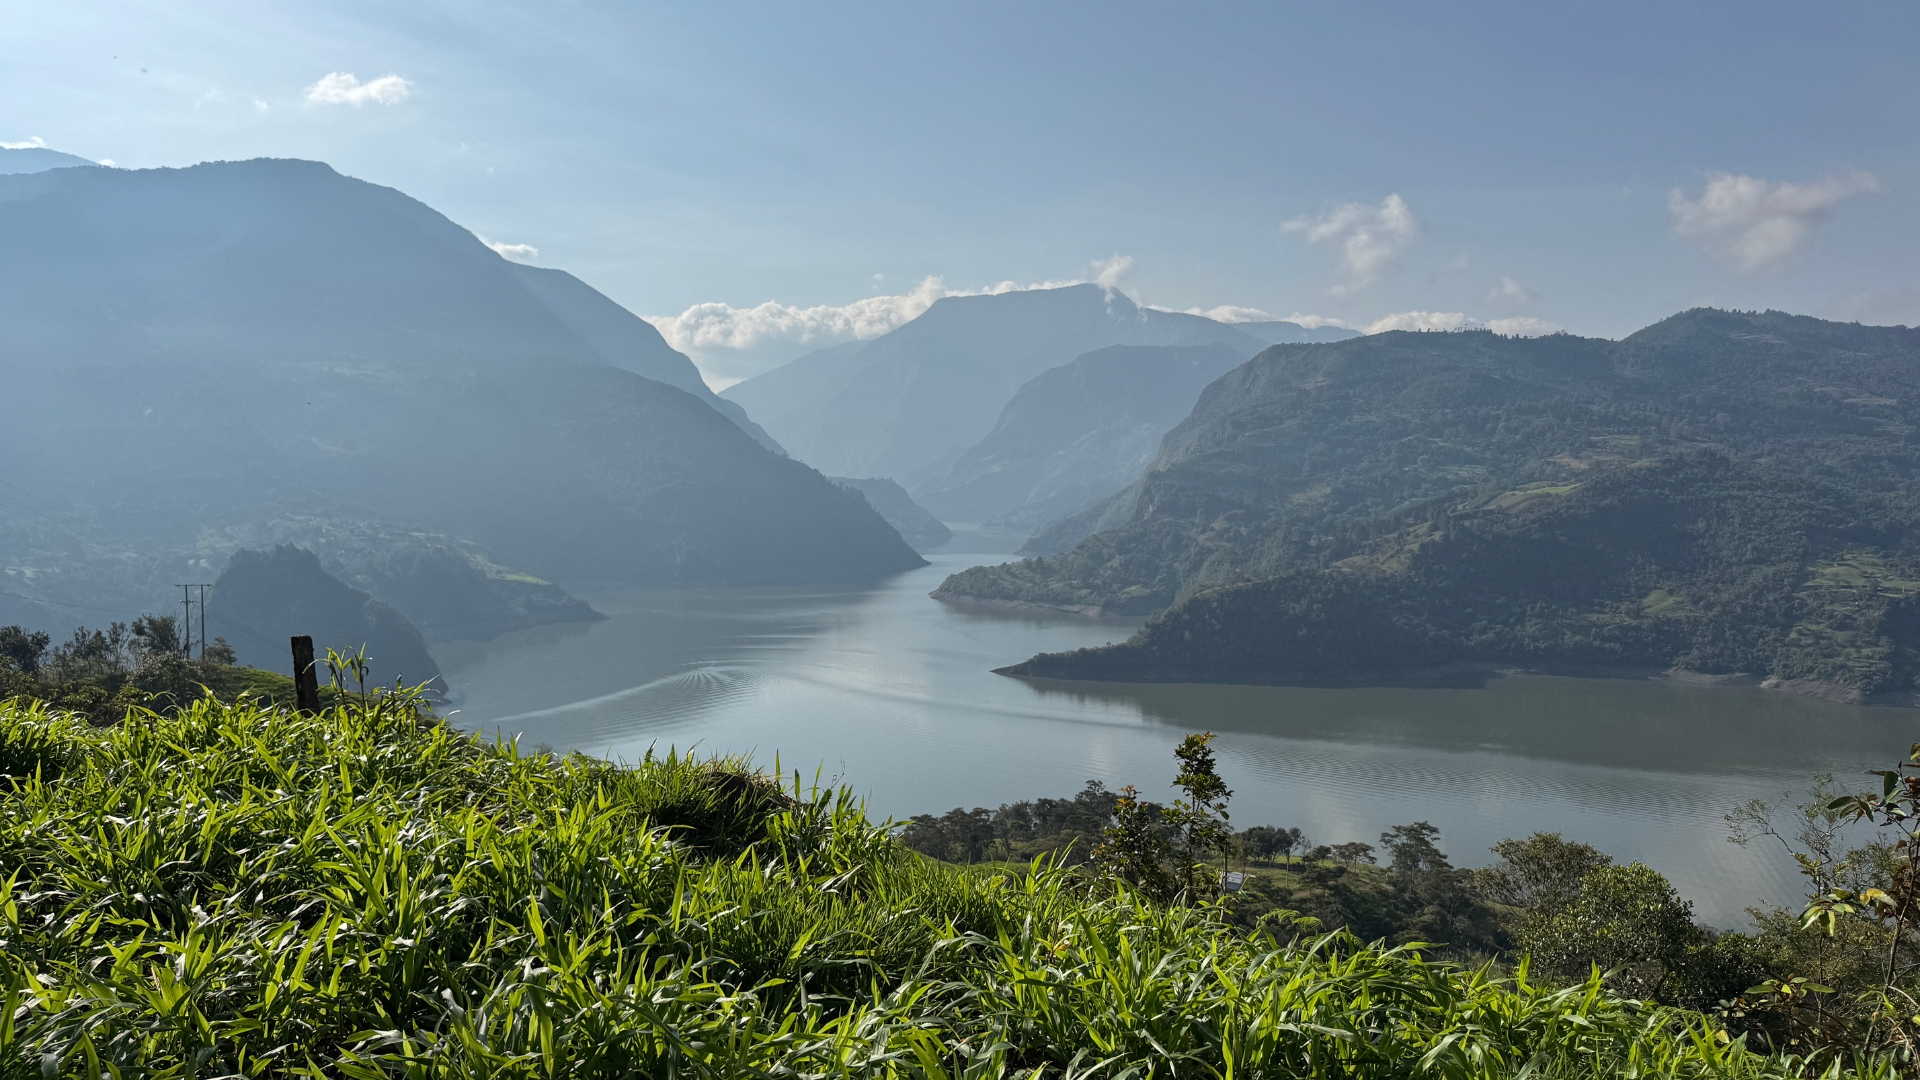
point(1443, 468)
point(245, 891)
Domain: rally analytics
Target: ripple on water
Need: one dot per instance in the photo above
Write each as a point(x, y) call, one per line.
point(893, 692)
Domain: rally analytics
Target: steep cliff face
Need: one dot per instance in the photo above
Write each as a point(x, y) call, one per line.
point(210, 342)
point(284, 592)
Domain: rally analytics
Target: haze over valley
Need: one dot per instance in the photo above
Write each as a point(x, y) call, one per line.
point(1001, 541)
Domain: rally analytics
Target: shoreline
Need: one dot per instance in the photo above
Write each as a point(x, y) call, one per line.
point(1476, 676)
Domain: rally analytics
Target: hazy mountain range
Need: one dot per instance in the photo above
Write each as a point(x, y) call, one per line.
point(32, 159)
point(207, 347)
point(907, 405)
point(1724, 493)
point(1077, 433)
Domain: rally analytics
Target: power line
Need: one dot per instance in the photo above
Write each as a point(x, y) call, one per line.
point(224, 620)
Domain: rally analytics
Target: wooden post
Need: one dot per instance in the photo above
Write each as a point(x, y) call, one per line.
point(306, 681)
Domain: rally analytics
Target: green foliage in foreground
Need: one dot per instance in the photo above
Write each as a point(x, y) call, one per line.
point(231, 890)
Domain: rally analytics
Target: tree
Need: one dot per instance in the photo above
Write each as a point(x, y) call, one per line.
point(219, 653)
point(1199, 821)
point(155, 634)
point(1266, 841)
point(91, 653)
point(1412, 848)
point(15, 683)
point(24, 648)
point(1136, 849)
point(1350, 853)
point(1541, 874)
point(1627, 921)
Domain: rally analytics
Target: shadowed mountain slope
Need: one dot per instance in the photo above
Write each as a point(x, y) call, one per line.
point(201, 344)
point(625, 340)
point(909, 403)
point(284, 592)
point(1077, 433)
point(916, 525)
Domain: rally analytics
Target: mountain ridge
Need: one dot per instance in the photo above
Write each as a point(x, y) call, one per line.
point(1375, 469)
point(908, 403)
point(238, 338)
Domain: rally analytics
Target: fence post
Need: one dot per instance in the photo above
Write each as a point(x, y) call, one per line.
point(306, 681)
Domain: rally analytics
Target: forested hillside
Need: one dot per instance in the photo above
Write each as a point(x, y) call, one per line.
point(1725, 492)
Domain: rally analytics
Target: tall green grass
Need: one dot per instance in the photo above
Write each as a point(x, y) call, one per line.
point(243, 891)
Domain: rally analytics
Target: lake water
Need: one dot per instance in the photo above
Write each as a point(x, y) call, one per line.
point(890, 692)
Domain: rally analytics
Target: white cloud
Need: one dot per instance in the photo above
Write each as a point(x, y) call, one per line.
point(712, 326)
point(1522, 326)
point(1108, 273)
point(723, 326)
point(1230, 313)
point(1754, 224)
point(33, 143)
point(343, 88)
point(1315, 322)
point(107, 161)
point(516, 252)
point(1419, 320)
point(1370, 238)
point(1511, 293)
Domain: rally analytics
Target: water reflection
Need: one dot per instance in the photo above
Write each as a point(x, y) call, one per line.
point(1651, 724)
point(893, 692)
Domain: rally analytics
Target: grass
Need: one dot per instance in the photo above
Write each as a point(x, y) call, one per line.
point(237, 890)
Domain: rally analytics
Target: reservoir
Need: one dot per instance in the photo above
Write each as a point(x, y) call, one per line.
point(878, 687)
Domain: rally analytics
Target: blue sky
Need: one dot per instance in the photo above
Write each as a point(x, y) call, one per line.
point(775, 177)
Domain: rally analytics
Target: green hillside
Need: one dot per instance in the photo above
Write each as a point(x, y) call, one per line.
point(231, 891)
point(1723, 492)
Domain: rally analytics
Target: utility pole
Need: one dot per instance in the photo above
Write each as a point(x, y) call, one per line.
point(186, 626)
point(203, 587)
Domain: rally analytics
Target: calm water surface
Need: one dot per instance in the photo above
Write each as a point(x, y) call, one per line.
point(891, 692)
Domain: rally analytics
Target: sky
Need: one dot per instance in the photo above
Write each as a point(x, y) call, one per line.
point(765, 179)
